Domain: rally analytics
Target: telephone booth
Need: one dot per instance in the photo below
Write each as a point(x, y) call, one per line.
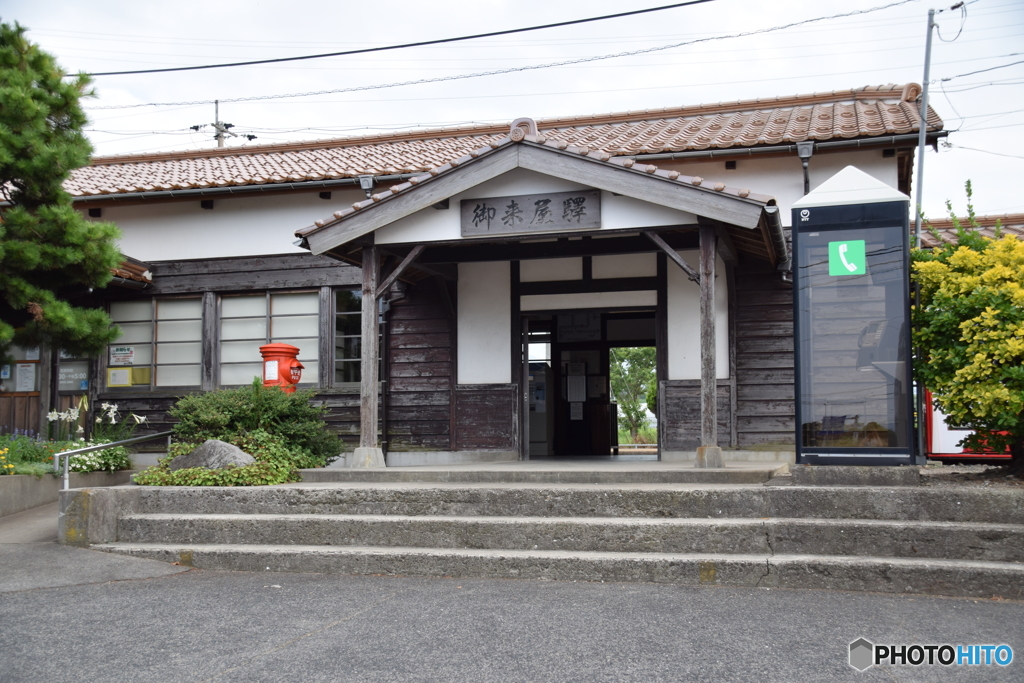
point(854, 398)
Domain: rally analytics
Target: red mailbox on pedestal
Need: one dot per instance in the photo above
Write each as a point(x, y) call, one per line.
point(281, 367)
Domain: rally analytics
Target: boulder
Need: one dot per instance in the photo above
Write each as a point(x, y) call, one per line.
point(214, 455)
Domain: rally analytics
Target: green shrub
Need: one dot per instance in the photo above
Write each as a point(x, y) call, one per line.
point(276, 463)
point(232, 413)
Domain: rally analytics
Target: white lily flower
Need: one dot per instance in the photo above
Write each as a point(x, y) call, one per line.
point(139, 419)
point(53, 416)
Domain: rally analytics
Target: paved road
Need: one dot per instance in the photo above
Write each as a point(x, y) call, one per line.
point(138, 622)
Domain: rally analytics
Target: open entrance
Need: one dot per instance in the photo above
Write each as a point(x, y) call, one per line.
point(571, 408)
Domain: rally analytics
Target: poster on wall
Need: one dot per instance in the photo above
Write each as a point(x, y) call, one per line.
point(5, 371)
point(575, 411)
point(122, 355)
point(32, 354)
point(25, 377)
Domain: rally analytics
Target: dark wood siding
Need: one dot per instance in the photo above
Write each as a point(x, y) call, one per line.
point(420, 370)
point(764, 357)
point(679, 408)
point(486, 417)
point(282, 271)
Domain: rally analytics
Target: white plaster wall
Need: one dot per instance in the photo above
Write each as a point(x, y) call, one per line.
point(485, 313)
point(557, 302)
point(783, 177)
point(237, 226)
point(624, 265)
point(432, 225)
point(684, 321)
point(545, 270)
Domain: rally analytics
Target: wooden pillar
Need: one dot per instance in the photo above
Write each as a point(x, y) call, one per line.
point(369, 362)
point(708, 383)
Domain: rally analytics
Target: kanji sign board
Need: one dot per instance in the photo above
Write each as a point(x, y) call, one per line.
point(552, 212)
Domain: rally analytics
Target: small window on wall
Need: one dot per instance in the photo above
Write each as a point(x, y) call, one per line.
point(347, 336)
point(160, 343)
point(248, 321)
point(23, 374)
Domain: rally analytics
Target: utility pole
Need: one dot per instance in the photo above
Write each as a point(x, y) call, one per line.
point(923, 128)
point(222, 129)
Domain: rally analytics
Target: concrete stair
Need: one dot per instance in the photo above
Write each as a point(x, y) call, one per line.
point(947, 541)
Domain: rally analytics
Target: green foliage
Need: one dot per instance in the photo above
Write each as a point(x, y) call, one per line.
point(48, 250)
point(232, 413)
point(969, 328)
point(632, 375)
point(107, 460)
point(275, 463)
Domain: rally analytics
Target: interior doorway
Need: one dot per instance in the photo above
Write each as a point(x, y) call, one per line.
point(569, 408)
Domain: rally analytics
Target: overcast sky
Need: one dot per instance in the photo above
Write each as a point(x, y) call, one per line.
point(986, 110)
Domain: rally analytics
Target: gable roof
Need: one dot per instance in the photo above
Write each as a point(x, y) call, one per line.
point(525, 148)
point(846, 114)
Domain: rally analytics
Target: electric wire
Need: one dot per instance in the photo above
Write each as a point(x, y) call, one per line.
point(407, 45)
point(493, 72)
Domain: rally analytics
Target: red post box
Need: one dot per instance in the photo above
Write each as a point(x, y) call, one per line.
point(281, 367)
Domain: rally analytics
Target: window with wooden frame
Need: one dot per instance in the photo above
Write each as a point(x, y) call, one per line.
point(160, 344)
point(248, 321)
point(347, 338)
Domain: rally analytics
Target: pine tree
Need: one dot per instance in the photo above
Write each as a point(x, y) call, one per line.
point(50, 254)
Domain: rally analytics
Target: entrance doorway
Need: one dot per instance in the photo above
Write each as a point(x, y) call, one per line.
point(570, 409)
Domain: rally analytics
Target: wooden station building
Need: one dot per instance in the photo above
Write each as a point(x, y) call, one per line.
point(500, 264)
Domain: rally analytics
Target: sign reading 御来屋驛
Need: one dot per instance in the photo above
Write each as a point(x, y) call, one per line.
point(531, 213)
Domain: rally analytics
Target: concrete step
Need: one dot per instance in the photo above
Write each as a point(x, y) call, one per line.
point(679, 475)
point(967, 504)
point(882, 538)
point(946, 577)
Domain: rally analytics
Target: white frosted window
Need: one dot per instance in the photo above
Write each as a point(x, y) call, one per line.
point(240, 351)
point(179, 330)
point(295, 304)
point(177, 327)
point(179, 309)
point(294, 326)
point(241, 373)
point(134, 333)
point(177, 375)
point(308, 348)
point(190, 352)
point(243, 328)
point(246, 323)
point(243, 306)
point(131, 310)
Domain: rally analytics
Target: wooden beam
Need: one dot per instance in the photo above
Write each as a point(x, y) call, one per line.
point(369, 362)
point(397, 272)
point(708, 384)
point(619, 284)
point(676, 258)
point(474, 250)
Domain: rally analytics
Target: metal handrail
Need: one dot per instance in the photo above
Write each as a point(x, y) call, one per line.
point(101, 447)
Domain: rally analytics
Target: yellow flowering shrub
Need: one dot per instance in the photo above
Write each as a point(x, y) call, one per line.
point(969, 332)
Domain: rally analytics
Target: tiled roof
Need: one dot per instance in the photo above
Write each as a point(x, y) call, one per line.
point(543, 139)
point(858, 113)
point(1011, 224)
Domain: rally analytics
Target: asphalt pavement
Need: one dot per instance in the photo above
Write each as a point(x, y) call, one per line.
point(69, 614)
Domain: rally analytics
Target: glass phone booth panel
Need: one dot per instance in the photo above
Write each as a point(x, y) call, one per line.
point(854, 397)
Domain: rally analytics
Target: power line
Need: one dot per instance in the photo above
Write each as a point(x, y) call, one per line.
point(985, 151)
point(406, 45)
point(981, 71)
point(495, 72)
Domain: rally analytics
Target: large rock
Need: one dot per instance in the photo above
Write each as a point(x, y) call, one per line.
point(214, 455)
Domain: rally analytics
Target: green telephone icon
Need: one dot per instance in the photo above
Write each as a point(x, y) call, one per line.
point(847, 258)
